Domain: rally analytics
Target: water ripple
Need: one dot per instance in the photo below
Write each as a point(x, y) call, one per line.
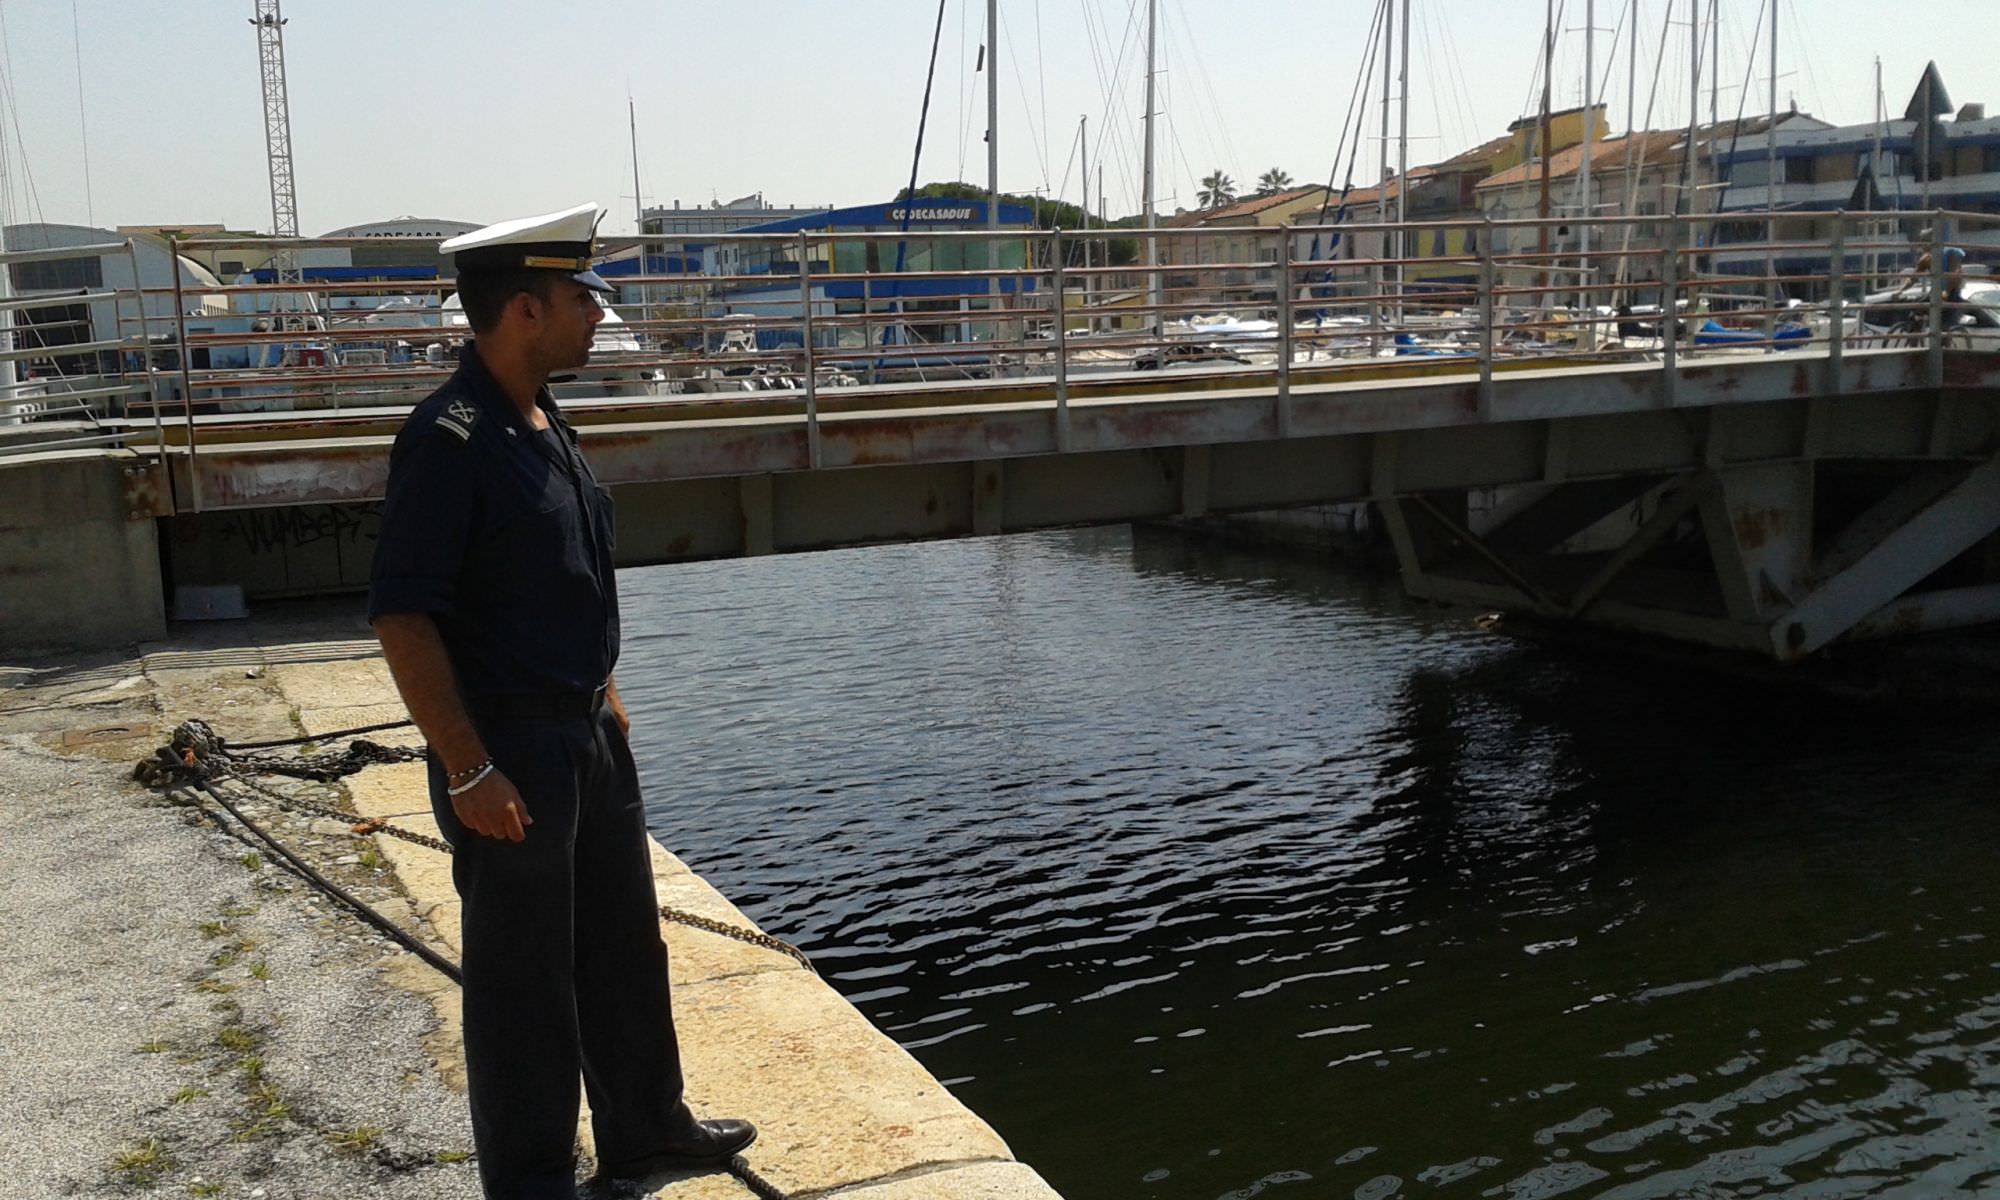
point(1272, 873)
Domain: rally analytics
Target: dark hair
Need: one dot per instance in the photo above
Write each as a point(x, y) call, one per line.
point(484, 292)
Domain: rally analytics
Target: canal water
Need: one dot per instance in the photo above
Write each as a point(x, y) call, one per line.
point(1204, 874)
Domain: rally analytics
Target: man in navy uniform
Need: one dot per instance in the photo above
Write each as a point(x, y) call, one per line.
point(493, 594)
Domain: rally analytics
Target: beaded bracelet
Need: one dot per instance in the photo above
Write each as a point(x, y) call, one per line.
point(460, 790)
point(451, 777)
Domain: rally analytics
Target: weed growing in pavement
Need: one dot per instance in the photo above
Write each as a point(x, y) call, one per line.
point(357, 1139)
point(143, 1164)
point(153, 1047)
point(260, 971)
point(186, 1094)
point(251, 859)
point(448, 1157)
point(204, 1189)
point(235, 1037)
point(213, 929)
point(238, 910)
point(215, 986)
point(370, 859)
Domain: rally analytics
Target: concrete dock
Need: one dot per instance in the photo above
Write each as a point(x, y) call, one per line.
point(843, 1111)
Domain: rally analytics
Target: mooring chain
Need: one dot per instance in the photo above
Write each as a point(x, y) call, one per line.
point(198, 752)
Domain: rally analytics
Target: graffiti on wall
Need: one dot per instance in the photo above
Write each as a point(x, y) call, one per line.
point(277, 530)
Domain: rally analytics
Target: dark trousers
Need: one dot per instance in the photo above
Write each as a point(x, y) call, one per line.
point(565, 971)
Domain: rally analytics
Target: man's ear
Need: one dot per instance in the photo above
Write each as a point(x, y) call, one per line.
point(530, 305)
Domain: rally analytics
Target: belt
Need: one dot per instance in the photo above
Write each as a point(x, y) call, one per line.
point(544, 706)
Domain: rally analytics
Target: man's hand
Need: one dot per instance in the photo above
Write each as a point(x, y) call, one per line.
point(494, 809)
point(617, 707)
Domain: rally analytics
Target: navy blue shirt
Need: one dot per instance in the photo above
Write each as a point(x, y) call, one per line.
point(502, 535)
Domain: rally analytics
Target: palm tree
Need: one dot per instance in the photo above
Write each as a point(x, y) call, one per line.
point(1216, 190)
point(1277, 179)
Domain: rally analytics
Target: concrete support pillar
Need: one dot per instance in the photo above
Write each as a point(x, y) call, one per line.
point(79, 552)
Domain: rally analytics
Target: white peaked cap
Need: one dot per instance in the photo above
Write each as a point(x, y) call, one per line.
point(558, 241)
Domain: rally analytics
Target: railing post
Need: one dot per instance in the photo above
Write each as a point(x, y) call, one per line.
point(1056, 281)
point(1936, 355)
point(806, 332)
point(187, 377)
point(1285, 330)
point(1488, 314)
point(146, 351)
point(1836, 301)
point(1670, 248)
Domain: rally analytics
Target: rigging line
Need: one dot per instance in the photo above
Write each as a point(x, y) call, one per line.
point(82, 121)
point(1634, 174)
point(1348, 120)
point(964, 121)
point(1431, 50)
point(33, 197)
point(1027, 110)
point(1069, 162)
point(1118, 131)
point(1042, 83)
point(1464, 86)
point(916, 158)
point(1114, 105)
point(1805, 55)
point(1749, 65)
point(1207, 84)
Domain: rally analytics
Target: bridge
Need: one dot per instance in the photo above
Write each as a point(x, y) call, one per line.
point(1761, 474)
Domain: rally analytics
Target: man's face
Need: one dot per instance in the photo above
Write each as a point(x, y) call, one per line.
point(569, 320)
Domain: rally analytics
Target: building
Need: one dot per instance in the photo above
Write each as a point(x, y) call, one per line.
point(1823, 168)
point(737, 268)
point(100, 320)
point(698, 223)
point(1223, 244)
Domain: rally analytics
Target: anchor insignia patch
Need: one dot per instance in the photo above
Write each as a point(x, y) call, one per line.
point(458, 417)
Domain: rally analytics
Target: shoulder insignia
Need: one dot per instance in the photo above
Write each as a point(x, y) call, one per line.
point(458, 417)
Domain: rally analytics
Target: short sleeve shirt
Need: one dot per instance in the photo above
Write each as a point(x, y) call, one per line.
point(500, 533)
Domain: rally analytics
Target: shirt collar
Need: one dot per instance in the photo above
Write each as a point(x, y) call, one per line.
point(487, 392)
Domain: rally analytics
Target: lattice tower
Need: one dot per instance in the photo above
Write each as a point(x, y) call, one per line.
point(270, 25)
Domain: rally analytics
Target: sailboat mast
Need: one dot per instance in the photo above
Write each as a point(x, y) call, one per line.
point(1875, 170)
point(1152, 243)
point(992, 117)
point(1589, 132)
point(1403, 161)
point(1632, 74)
point(1694, 104)
point(1388, 57)
point(1771, 130)
point(1542, 142)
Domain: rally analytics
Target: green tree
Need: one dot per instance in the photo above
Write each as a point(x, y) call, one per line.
point(1277, 179)
point(1048, 214)
point(1216, 190)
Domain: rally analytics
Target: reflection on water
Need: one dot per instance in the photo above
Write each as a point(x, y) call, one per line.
point(1203, 874)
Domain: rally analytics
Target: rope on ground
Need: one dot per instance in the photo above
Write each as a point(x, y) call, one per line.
point(196, 754)
point(197, 759)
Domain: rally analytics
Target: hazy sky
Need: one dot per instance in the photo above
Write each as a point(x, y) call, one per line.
point(483, 110)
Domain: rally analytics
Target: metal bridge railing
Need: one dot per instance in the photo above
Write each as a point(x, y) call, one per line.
point(795, 316)
point(78, 362)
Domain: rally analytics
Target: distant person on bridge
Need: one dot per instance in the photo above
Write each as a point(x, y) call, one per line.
point(493, 594)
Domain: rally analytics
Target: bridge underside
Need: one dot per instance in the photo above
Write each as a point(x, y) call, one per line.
point(1772, 506)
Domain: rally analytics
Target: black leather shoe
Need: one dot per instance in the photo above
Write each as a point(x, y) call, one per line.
point(703, 1144)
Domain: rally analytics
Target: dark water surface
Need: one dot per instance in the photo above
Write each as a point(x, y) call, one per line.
point(1203, 874)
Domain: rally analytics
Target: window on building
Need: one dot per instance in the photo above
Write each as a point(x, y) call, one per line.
point(229, 268)
point(58, 275)
point(1799, 170)
point(1989, 159)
